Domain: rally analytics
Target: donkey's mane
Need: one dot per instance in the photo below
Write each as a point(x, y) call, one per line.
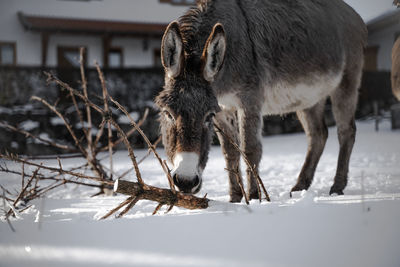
point(189, 25)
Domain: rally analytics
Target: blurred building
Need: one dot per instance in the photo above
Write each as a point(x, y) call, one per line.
point(382, 33)
point(116, 33)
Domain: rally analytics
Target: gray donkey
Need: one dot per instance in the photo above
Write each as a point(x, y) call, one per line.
point(232, 61)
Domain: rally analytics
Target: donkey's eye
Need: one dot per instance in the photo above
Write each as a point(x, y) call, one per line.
point(168, 115)
point(209, 118)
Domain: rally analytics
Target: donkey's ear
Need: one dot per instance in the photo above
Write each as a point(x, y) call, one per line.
point(214, 52)
point(172, 50)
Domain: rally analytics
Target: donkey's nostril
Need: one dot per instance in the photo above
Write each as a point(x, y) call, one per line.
point(196, 180)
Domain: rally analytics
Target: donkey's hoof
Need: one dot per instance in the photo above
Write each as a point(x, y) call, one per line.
point(299, 187)
point(236, 198)
point(254, 195)
point(336, 190)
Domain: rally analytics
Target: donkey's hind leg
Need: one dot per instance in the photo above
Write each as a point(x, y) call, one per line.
point(227, 121)
point(313, 122)
point(344, 102)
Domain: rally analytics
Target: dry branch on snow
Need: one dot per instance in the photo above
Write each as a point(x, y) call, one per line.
point(88, 148)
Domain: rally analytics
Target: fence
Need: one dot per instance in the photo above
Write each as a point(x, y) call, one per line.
point(135, 89)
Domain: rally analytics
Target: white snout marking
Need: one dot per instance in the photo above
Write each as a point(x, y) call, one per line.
point(186, 165)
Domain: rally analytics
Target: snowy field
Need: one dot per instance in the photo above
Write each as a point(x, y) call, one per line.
point(359, 229)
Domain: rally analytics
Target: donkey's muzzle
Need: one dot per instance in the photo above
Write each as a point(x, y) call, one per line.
point(190, 185)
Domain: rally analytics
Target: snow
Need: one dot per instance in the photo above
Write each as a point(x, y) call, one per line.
point(29, 125)
point(56, 121)
point(360, 228)
point(123, 119)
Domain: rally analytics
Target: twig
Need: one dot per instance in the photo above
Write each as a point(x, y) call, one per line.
point(21, 194)
point(52, 78)
point(85, 93)
point(28, 134)
point(57, 170)
point(129, 206)
point(66, 124)
point(130, 150)
point(22, 176)
point(79, 113)
point(107, 112)
point(149, 151)
point(160, 195)
point(142, 159)
point(111, 212)
point(99, 133)
point(149, 144)
point(157, 208)
point(246, 160)
point(240, 182)
point(169, 209)
point(7, 219)
point(131, 131)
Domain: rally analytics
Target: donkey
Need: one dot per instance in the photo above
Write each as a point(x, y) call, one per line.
point(395, 75)
point(230, 62)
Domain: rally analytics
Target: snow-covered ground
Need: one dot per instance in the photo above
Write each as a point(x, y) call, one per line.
point(361, 228)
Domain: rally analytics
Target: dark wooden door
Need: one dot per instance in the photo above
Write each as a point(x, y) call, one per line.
point(68, 67)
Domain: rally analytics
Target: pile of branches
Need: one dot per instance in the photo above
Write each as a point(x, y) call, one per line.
point(89, 147)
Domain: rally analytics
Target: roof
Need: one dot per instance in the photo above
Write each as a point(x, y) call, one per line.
point(50, 24)
point(385, 20)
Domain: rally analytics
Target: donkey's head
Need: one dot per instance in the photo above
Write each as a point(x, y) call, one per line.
point(188, 104)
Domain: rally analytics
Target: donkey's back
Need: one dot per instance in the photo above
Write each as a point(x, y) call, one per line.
point(296, 37)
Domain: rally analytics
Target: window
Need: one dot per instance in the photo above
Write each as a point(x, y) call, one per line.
point(7, 53)
point(179, 2)
point(115, 57)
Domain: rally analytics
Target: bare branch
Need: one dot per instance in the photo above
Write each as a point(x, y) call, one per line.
point(131, 131)
point(21, 194)
point(114, 210)
point(108, 113)
point(160, 195)
point(246, 160)
point(240, 182)
point(4, 204)
point(28, 134)
point(57, 170)
point(66, 124)
point(52, 78)
point(157, 208)
point(149, 144)
point(130, 150)
point(85, 93)
point(128, 207)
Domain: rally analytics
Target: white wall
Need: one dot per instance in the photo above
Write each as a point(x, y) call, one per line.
point(29, 43)
point(92, 43)
point(384, 39)
point(11, 30)
point(134, 54)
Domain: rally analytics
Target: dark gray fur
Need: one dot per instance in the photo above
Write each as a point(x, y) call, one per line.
point(267, 42)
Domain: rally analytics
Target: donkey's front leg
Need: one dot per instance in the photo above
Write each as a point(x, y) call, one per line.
point(227, 122)
point(250, 140)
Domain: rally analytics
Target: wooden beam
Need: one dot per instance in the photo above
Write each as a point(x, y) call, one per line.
point(106, 49)
point(45, 44)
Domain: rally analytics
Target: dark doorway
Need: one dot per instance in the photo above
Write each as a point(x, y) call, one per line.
point(68, 67)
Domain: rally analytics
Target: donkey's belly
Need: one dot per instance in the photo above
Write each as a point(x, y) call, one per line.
point(284, 97)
